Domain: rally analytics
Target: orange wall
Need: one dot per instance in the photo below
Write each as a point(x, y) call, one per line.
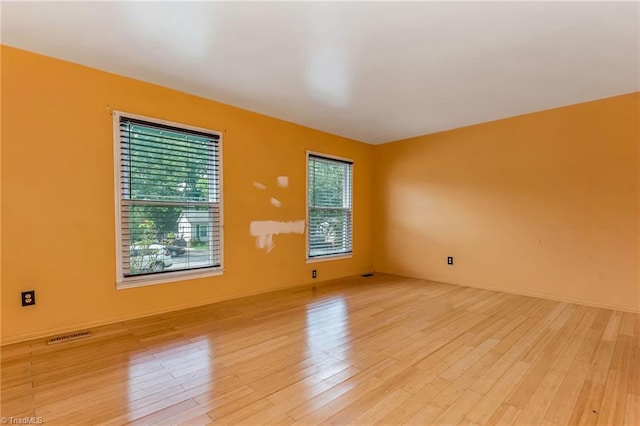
point(541, 204)
point(58, 201)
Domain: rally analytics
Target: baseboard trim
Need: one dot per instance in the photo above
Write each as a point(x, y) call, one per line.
point(521, 293)
point(114, 320)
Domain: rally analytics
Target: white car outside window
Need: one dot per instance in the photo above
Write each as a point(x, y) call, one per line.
point(154, 258)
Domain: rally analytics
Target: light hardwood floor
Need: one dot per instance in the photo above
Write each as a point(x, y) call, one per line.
point(381, 350)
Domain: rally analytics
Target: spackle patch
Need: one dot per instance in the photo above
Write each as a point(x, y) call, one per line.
point(259, 185)
point(283, 181)
point(274, 202)
point(264, 230)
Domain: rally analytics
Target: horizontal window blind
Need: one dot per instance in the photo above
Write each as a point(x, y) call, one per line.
point(330, 206)
point(170, 209)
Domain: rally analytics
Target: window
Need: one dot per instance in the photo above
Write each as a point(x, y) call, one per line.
point(168, 201)
point(330, 185)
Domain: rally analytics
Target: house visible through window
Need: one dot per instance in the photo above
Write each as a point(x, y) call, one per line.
point(169, 200)
point(330, 187)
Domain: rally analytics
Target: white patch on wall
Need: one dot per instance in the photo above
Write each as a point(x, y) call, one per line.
point(264, 230)
point(283, 181)
point(259, 185)
point(275, 203)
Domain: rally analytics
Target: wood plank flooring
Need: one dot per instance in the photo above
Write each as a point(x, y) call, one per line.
point(380, 350)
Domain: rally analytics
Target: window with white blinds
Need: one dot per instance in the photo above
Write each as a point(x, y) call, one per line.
point(330, 186)
point(168, 200)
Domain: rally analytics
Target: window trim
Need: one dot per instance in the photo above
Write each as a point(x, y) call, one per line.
point(334, 256)
point(123, 282)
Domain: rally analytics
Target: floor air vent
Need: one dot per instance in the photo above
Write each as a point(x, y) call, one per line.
point(68, 337)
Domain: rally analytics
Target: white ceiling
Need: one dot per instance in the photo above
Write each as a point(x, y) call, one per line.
point(374, 72)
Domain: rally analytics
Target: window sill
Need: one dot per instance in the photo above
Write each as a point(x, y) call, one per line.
point(170, 277)
point(329, 257)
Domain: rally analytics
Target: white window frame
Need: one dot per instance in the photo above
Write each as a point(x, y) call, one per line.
point(328, 257)
point(123, 282)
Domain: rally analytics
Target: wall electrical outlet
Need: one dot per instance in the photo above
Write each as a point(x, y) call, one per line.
point(28, 298)
point(450, 260)
point(314, 274)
